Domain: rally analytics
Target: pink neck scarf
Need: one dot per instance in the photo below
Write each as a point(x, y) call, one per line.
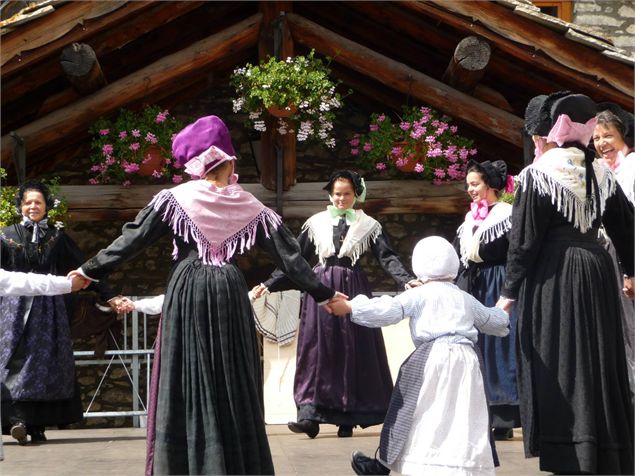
point(479, 210)
point(222, 221)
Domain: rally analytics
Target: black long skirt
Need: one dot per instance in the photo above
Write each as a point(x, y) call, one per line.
point(209, 416)
point(575, 401)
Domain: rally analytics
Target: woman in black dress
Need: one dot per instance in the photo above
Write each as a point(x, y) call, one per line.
point(37, 368)
point(205, 415)
point(482, 243)
point(576, 409)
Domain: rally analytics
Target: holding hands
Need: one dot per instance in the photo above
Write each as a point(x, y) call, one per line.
point(629, 288)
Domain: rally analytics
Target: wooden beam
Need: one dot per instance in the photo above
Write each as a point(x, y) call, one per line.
point(274, 18)
point(468, 64)
point(407, 80)
point(113, 202)
point(105, 34)
point(523, 30)
point(81, 66)
point(534, 59)
point(47, 29)
point(122, 25)
point(55, 127)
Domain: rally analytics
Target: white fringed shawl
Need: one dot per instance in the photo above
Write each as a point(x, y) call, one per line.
point(361, 233)
point(496, 224)
point(561, 175)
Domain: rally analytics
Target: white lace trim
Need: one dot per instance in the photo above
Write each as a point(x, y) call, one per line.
point(361, 233)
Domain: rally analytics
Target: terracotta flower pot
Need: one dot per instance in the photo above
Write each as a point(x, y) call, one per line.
point(152, 160)
point(418, 157)
point(282, 112)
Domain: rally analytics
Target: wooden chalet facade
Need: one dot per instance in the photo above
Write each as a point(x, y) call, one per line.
point(65, 64)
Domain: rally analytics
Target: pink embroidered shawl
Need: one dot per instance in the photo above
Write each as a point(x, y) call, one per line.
point(222, 221)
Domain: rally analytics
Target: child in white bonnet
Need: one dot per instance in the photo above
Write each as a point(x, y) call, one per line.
point(437, 422)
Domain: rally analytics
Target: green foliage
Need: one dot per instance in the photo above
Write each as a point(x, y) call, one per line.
point(301, 85)
point(421, 141)
point(58, 216)
point(120, 146)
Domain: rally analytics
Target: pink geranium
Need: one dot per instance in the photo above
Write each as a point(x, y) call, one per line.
point(104, 132)
point(107, 149)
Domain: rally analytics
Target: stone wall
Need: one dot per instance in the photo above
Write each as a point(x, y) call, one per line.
point(145, 275)
point(612, 19)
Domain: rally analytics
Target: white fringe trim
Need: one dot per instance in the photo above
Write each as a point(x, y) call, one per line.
point(580, 212)
point(184, 227)
point(485, 234)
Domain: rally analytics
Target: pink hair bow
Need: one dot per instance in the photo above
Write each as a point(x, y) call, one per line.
point(509, 185)
point(479, 210)
point(565, 130)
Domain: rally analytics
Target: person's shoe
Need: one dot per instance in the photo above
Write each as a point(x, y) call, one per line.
point(18, 432)
point(310, 427)
point(38, 436)
point(503, 434)
point(345, 431)
point(362, 464)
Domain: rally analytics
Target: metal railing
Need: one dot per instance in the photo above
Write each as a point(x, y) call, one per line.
point(135, 354)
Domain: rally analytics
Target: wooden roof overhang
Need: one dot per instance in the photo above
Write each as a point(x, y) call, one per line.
point(390, 53)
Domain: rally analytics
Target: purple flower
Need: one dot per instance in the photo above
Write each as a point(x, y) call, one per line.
point(404, 126)
point(177, 178)
point(161, 117)
point(130, 167)
point(134, 146)
point(454, 129)
point(354, 141)
point(123, 135)
point(425, 110)
point(419, 168)
point(126, 183)
point(430, 139)
point(150, 137)
point(354, 151)
point(368, 147)
point(104, 132)
point(401, 162)
point(107, 149)
point(95, 168)
point(374, 127)
point(157, 174)
point(177, 164)
point(380, 166)
point(463, 153)
point(439, 173)
point(396, 151)
point(136, 133)
point(381, 118)
point(109, 161)
point(473, 151)
point(93, 181)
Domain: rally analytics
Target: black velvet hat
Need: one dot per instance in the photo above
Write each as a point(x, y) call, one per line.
point(494, 173)
point(538, 113)
point(578, 107)
point(354, 177)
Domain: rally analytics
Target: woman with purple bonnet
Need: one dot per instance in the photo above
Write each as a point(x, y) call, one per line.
point(575, 402)
point(205, 415)
point(342, 375)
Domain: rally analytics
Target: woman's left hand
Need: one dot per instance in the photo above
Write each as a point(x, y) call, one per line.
point(629, 288)
point(413, 283)
point(505, 304)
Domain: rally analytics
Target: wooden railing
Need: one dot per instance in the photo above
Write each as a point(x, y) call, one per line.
point(113, 202)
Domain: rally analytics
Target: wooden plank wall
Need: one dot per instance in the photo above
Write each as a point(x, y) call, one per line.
point(113, 202)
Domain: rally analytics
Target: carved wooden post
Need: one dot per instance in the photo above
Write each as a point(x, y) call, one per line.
point(275, 29)
point(81, 66)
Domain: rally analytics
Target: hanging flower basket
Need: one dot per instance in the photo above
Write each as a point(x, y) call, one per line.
point(298, 89)
point(153, 161)
point(134, 147)
point(284, 112)
point(421, 143)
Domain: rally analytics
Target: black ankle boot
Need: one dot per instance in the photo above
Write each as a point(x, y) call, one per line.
point(310, 427)
point(362, 464)
point(345, 431)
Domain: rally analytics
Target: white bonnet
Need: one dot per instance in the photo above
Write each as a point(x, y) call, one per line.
point(434, 258)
